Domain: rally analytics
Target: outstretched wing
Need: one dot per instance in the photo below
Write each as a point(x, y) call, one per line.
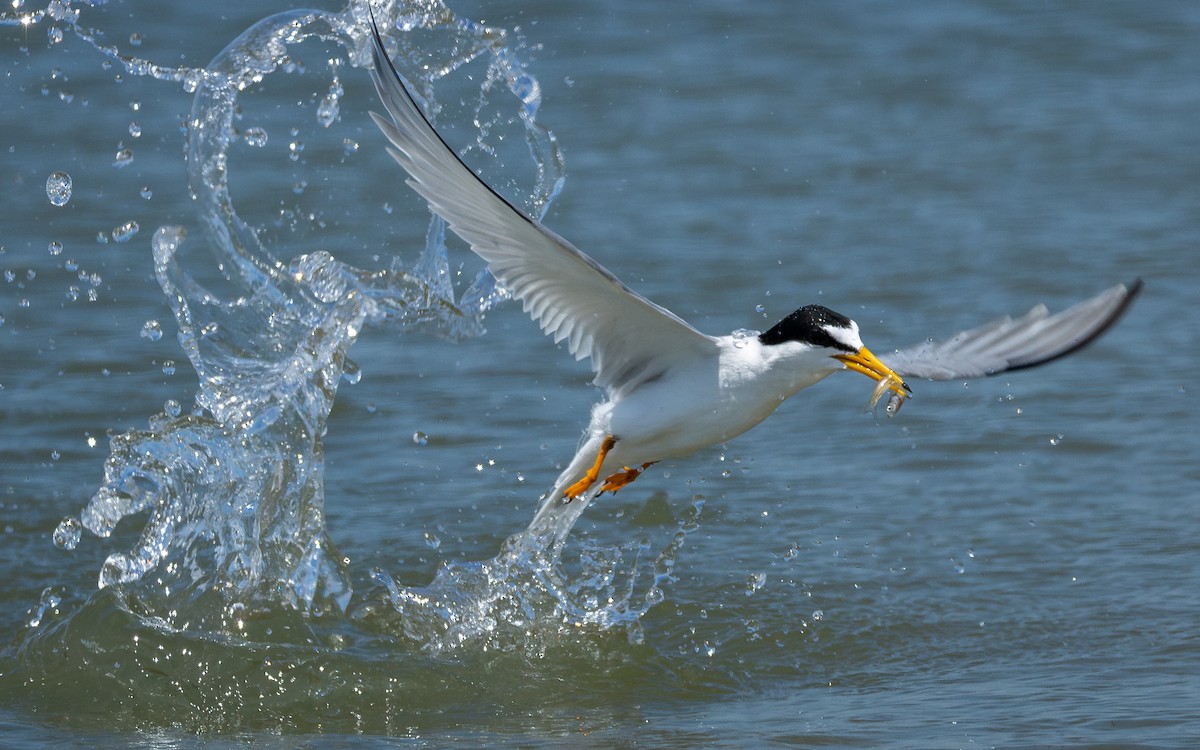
point(572, 297)
point(1005, 345)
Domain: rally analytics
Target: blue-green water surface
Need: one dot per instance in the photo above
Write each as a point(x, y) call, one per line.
point(1008, 562)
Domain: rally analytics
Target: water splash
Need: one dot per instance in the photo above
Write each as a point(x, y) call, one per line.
point(232, 490)
point(58, 188)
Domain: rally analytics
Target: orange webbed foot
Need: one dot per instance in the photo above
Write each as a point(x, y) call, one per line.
point(616, 481)
point(585, 483)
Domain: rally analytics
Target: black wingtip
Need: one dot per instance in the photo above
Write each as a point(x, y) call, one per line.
point(1132, 290)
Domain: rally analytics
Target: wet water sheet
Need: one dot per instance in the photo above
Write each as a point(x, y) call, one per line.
point(271, 439)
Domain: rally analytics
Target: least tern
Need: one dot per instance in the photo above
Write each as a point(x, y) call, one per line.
point(669, 389)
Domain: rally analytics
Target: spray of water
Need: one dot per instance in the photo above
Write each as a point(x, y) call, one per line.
point(233, 489)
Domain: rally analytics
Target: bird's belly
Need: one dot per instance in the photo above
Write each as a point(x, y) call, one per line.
point(674, 420)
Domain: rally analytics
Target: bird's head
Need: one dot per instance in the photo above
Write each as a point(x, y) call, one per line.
point(820, 328)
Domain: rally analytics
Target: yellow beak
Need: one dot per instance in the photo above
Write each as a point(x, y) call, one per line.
point(868, 364)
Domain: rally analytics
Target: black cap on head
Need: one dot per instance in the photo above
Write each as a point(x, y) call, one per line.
point(809, 325)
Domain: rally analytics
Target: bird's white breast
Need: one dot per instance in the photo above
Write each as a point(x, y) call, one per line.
point(708, 402)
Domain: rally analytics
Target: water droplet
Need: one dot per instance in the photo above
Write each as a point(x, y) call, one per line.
point(432, 540)
point(168, 367)
point(172, 408)
point(55, 247)
point(760, 308)
point(67, 535)
point(55, 34)
point(66, 96)
point(327, 111)
point(135, 130)
point(755, 582)
point(58, 188)
point(125, 232)
point(349, 146)
point(152, 330)
point(58, 9)
point(1057, 439)
point(123, 158)
point(818, 615)
point(256, 137)
point(116, 569)
point(71, 265)
point(295, 148)
point(48, 601)
point(135, 105)
point(135, 39)
point(742, 336)
point(146, 192)
point(420, 438)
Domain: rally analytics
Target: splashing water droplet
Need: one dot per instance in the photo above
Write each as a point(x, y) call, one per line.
point(125, 232)
point(48, 601)
point(152, 330)
point(146, 192)
point(135, 39)
point(432, 540)
point(172, 408)
point(755, 582)
point(55, 35)
point(135, 130)
point(68, 532)
point(55, 247)
point(420, 438)
point(295, 148)
point(123, 158)
point(256, 137)
point(168, 367)
point(58, 188)
point(742, 336)
point(327, 111)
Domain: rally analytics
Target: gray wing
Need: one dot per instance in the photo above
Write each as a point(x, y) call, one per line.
point(1005, 345)
point(572, 297)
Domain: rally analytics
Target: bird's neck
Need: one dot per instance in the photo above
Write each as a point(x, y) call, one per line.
point(778, 369)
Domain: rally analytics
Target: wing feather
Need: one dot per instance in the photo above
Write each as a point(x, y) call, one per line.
point(1005, 344)
point(572, 297)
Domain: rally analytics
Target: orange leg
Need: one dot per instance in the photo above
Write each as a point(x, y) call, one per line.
point(622, 478)
point(589, 478)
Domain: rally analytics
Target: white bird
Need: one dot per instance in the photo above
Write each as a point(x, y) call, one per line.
point(669, 389)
